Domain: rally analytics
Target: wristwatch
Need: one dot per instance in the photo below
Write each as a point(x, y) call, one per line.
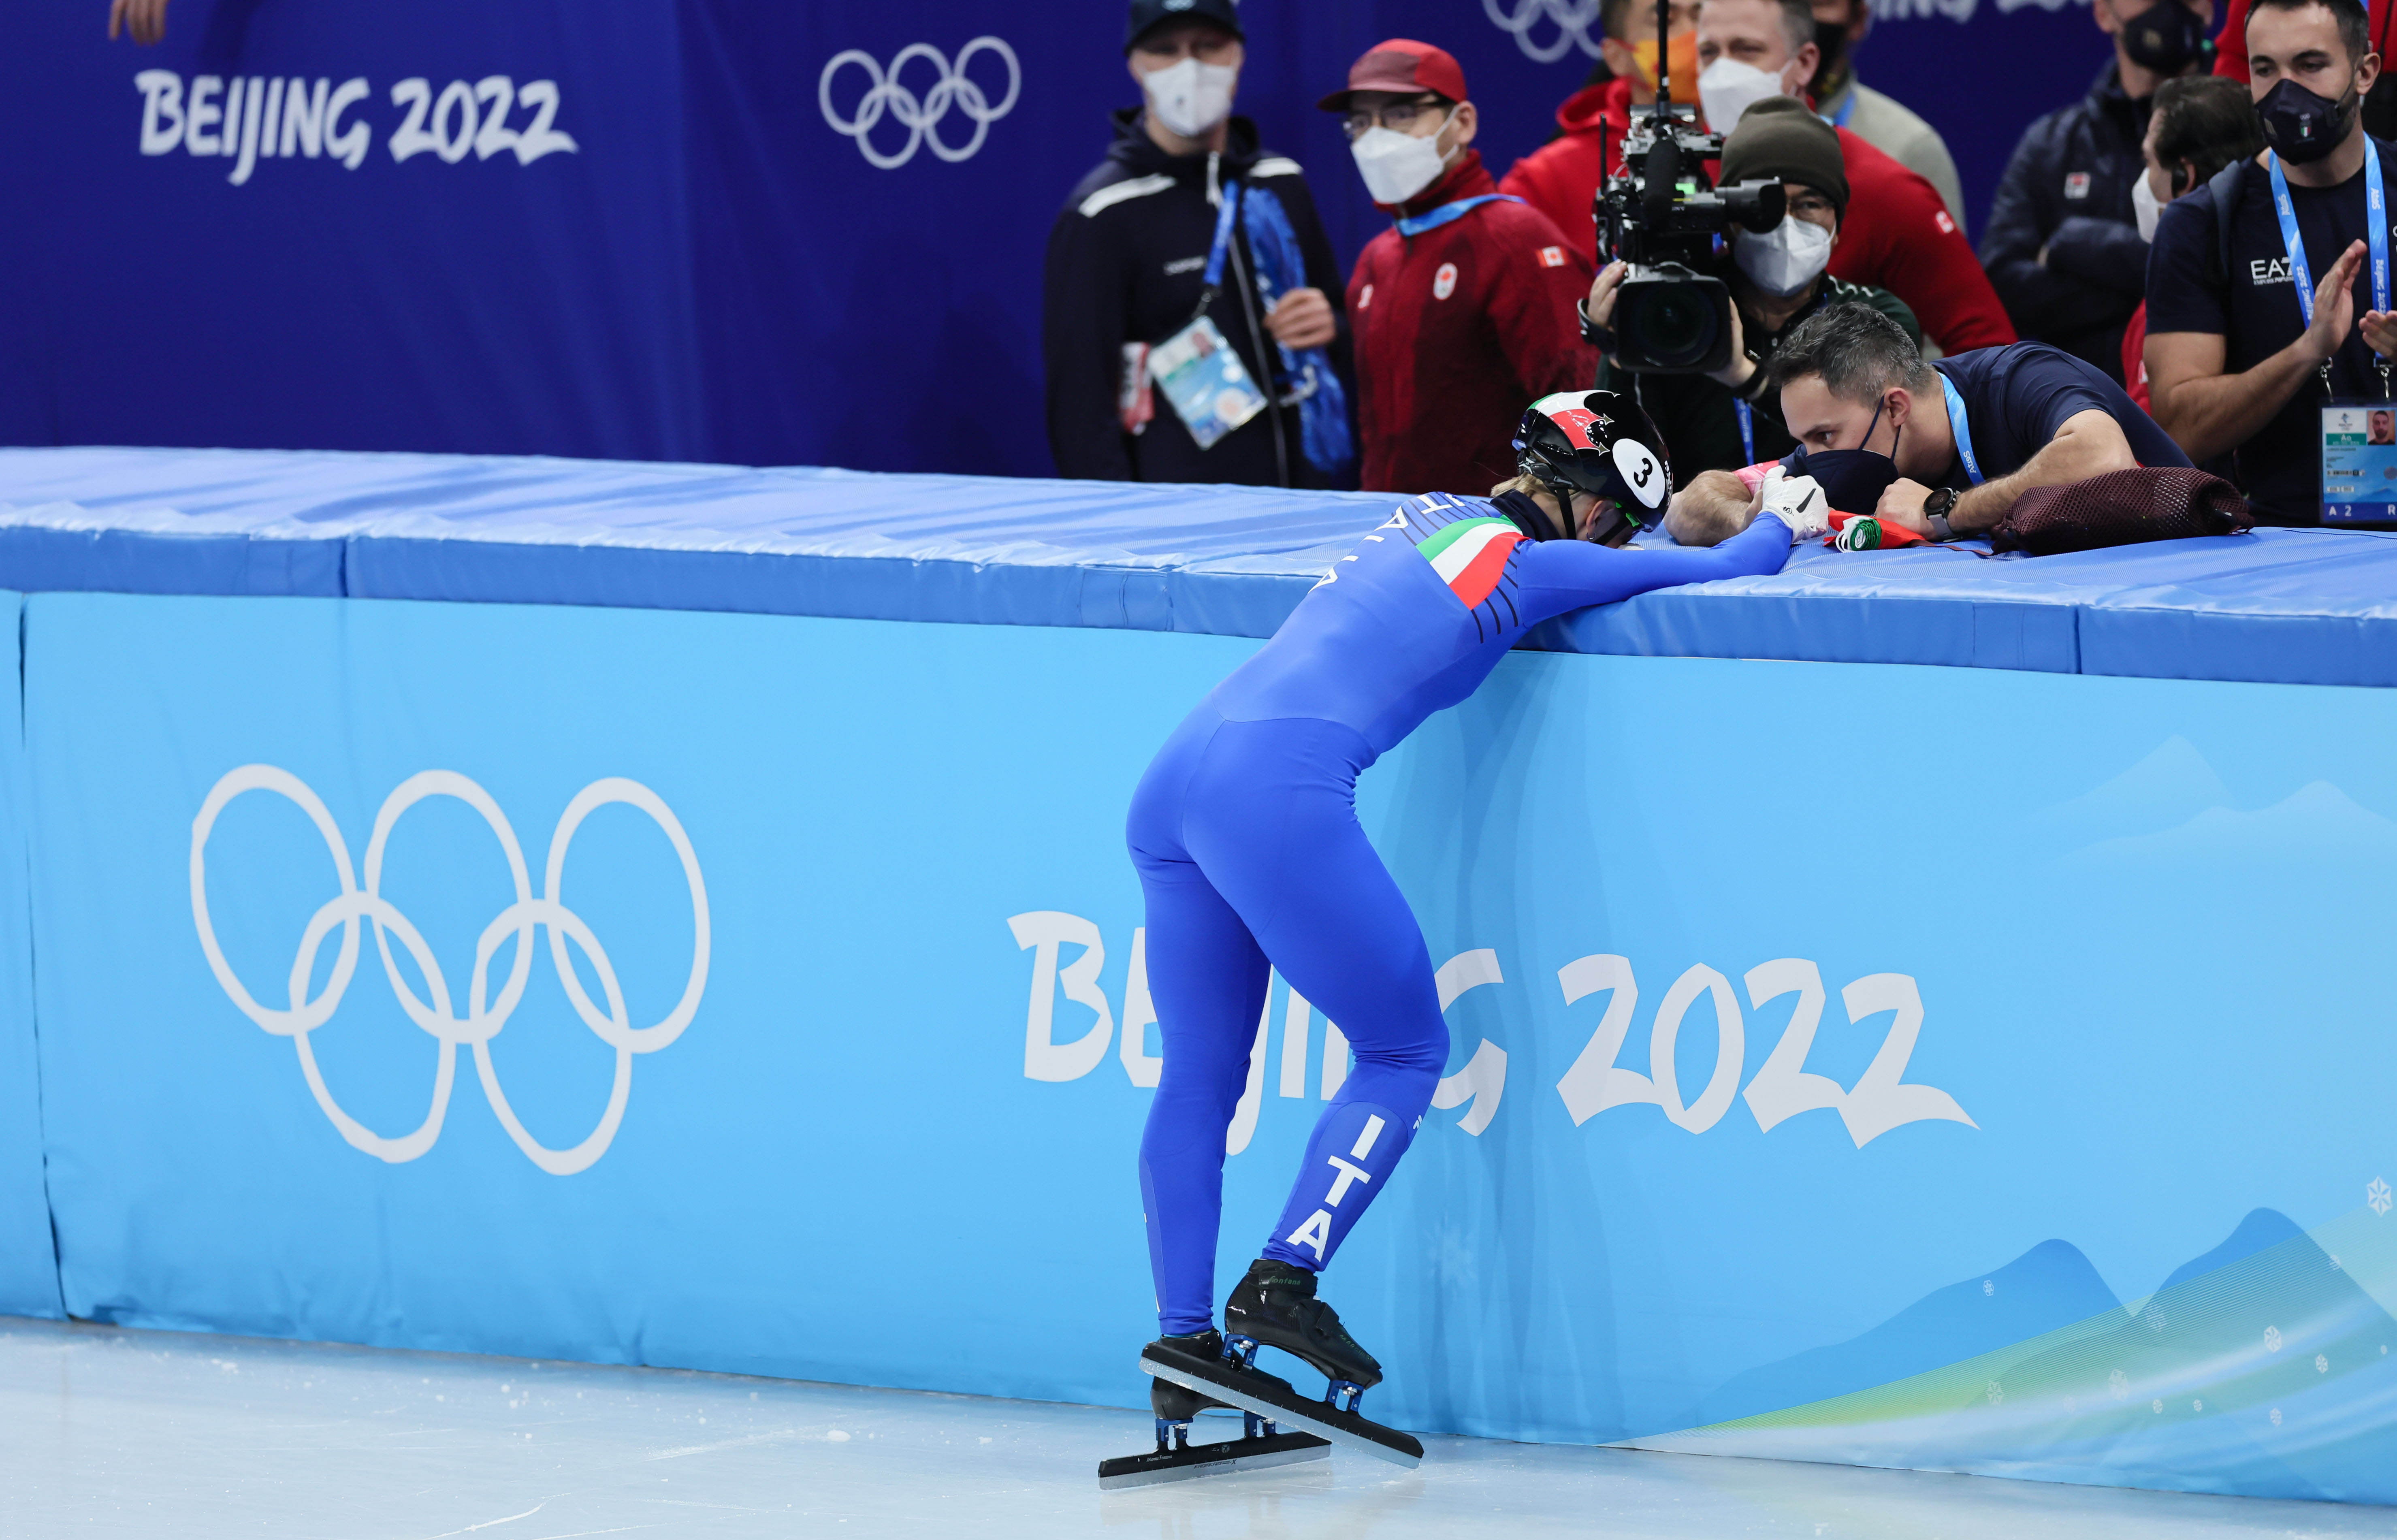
point(1935, 508)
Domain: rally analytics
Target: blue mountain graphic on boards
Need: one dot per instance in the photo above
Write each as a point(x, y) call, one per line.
point(2050, 1285)
point(2257, 1367)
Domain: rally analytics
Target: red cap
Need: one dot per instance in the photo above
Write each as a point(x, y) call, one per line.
point(1403, 67)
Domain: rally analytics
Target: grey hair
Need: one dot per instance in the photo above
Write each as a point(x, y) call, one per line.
point(1861, 354)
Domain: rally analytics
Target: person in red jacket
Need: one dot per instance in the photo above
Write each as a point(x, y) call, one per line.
point(1897, 235)
point(1464, 311)
point(2230, 47)
point(1559, 184)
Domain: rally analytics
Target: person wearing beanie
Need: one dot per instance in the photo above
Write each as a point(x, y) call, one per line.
point(1463, 310)
point(1727, 419)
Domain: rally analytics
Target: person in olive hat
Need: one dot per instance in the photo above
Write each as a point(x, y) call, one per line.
point(1727, 419)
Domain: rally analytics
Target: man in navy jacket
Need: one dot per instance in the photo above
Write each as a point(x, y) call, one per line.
point(1127, 267)
point(2063, 245)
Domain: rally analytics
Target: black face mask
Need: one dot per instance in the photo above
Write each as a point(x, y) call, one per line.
point(2301, 127)
point(1853, 480)
point(1831, 42)
point(2167, 37)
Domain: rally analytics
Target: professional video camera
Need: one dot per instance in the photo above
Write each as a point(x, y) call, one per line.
point(1660, 213)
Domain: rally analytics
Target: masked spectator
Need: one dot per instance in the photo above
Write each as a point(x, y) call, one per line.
point(1558, 178)
point(2250, 330)
point(2379, 103)
point(2201, 125)
point(1940, 448)
point(2063, 245)
point(1728, 419)
point(1462, 310)
point(1191, 267)
point(1898, 235)
point(1896, 130)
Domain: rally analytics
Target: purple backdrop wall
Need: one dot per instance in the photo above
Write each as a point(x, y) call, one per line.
point(705, 267)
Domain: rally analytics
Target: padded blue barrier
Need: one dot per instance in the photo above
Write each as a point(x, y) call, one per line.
point(29, 1277)
point(2280, 605)
point(1974, 1069)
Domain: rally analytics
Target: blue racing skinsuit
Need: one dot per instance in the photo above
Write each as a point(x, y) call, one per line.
point(1245, 833)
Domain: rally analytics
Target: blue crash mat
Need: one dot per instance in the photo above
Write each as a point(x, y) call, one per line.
point(2288, 606)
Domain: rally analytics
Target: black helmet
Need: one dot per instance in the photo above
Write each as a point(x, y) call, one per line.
point(1600, 443)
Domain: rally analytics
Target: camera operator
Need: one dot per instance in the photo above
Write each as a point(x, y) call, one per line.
point(2253, 322)
point(1899, 233)
point(2201, 124)
point(1727, 419)
point(2063, 245)
point(1940, 448)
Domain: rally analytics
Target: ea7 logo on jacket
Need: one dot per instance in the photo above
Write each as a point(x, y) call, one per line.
point(2268, 270)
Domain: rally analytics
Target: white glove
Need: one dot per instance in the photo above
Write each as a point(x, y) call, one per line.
point(1798, 502)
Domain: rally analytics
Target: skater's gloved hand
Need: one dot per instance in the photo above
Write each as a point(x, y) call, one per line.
point(1798, 502)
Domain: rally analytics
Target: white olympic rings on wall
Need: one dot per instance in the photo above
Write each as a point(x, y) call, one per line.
point(884, 94)
point(484, 1016)
point(1574, 21)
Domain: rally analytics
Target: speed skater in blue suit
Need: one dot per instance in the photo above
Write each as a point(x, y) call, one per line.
point(1250, 858)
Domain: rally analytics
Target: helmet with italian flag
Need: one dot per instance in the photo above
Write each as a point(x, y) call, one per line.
point(1602, 443)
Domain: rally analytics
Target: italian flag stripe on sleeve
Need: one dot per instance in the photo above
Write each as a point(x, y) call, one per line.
point(1469, 556)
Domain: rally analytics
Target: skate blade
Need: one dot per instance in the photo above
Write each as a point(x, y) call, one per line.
point(1220, 1458)
point(1345, 1428)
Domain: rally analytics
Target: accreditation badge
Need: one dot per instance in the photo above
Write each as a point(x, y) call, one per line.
point(2359, 462)
point(1205, 380)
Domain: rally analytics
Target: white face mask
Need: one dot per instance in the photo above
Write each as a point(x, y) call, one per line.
point(1190, 98)
point(1395, 166)
point(1727, 88)
point(1786, 258)
point(2145, 206)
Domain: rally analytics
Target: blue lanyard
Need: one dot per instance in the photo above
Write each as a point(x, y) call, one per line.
point(1448, 213)
point(1746, 430)
point(2376, 225)
point(1964, 429)
point(1225, 217)
point(1847, 110)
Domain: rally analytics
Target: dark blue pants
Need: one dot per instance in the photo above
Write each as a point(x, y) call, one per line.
point(1249, 855)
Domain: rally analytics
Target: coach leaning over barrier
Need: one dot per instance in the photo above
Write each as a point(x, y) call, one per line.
point(1191, 267)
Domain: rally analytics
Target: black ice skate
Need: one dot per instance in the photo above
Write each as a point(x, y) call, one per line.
point(1276, 1306)
point(1175, 1458)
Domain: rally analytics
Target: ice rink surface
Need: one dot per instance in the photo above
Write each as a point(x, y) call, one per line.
point(108, 1432)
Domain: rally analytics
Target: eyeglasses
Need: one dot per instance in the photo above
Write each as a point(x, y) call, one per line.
point(1398, 115)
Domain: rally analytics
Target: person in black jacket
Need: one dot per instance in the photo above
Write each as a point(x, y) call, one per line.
point(1127, 270)
point(2063, 247)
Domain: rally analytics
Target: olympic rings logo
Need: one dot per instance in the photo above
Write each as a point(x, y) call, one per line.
point(484, 1016)
point(1574, 20)
point(917, 115)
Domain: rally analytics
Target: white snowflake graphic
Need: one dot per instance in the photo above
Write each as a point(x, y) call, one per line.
point(2335, 1266)
point(1997, 1393)
point(2119, 1383)
point(2197, 1406)
point(2322, 1364)
point(1988, 1287)
point(2272, 1339)
point(2154, 1317)
point(2276, 1416)
point(2377, 1196)
point(2158, 1403)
